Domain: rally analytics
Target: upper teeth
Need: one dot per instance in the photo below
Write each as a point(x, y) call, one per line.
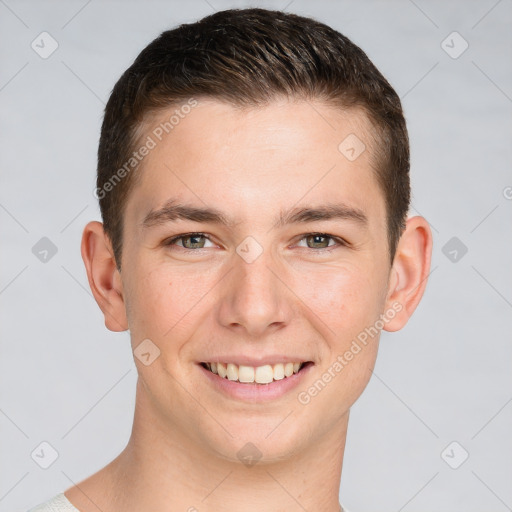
point(260, 374)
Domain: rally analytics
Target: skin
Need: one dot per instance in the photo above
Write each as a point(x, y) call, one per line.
point(295, 298)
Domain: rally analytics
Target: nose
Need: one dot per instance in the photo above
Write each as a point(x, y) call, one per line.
point(255, 299)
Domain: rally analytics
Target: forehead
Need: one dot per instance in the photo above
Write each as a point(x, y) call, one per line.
point(254, 160)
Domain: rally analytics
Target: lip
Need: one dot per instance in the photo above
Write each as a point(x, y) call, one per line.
point(253, 361)
point(253, 392)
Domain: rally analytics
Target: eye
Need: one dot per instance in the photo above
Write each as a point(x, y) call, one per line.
point(189, 240)
point(321, 241)
point(317, 241)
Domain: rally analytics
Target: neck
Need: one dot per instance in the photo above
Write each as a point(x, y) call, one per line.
point(161, 469)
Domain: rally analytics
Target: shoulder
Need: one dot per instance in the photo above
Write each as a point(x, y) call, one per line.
point(59, 503)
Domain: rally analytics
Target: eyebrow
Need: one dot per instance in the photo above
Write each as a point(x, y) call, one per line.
point(173, 211)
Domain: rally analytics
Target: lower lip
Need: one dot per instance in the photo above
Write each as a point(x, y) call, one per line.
point(252, 392)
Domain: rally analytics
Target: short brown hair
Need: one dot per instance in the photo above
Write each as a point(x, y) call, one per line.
point(249, 57)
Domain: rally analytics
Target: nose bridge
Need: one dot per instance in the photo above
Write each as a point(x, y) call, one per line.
point(254, 296)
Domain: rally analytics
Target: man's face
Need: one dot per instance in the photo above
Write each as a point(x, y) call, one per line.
point(256, 290)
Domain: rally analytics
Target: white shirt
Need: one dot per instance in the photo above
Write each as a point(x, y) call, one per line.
point(60, 503)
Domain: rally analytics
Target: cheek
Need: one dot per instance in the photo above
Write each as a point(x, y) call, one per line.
point(349, 302)
point(345, 298)
point(150, 303)
point(167, 300)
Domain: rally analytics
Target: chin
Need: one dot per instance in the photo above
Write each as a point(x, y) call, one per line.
point(265, 441)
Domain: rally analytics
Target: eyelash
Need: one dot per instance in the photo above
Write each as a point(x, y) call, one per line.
point(339, 241)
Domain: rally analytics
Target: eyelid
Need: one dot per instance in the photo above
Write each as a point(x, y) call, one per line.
point(170, 241)
point(340, 242)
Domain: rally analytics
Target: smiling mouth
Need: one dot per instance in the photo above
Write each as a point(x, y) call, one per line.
point(255, 375)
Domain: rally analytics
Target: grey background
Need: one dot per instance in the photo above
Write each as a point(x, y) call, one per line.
point(445, 377)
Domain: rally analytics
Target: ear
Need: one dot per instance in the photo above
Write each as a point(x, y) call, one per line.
point(409, 272)
point(104, 278)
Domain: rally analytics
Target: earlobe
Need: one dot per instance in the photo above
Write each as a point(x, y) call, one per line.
point(104, 278)
point(408, 277)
